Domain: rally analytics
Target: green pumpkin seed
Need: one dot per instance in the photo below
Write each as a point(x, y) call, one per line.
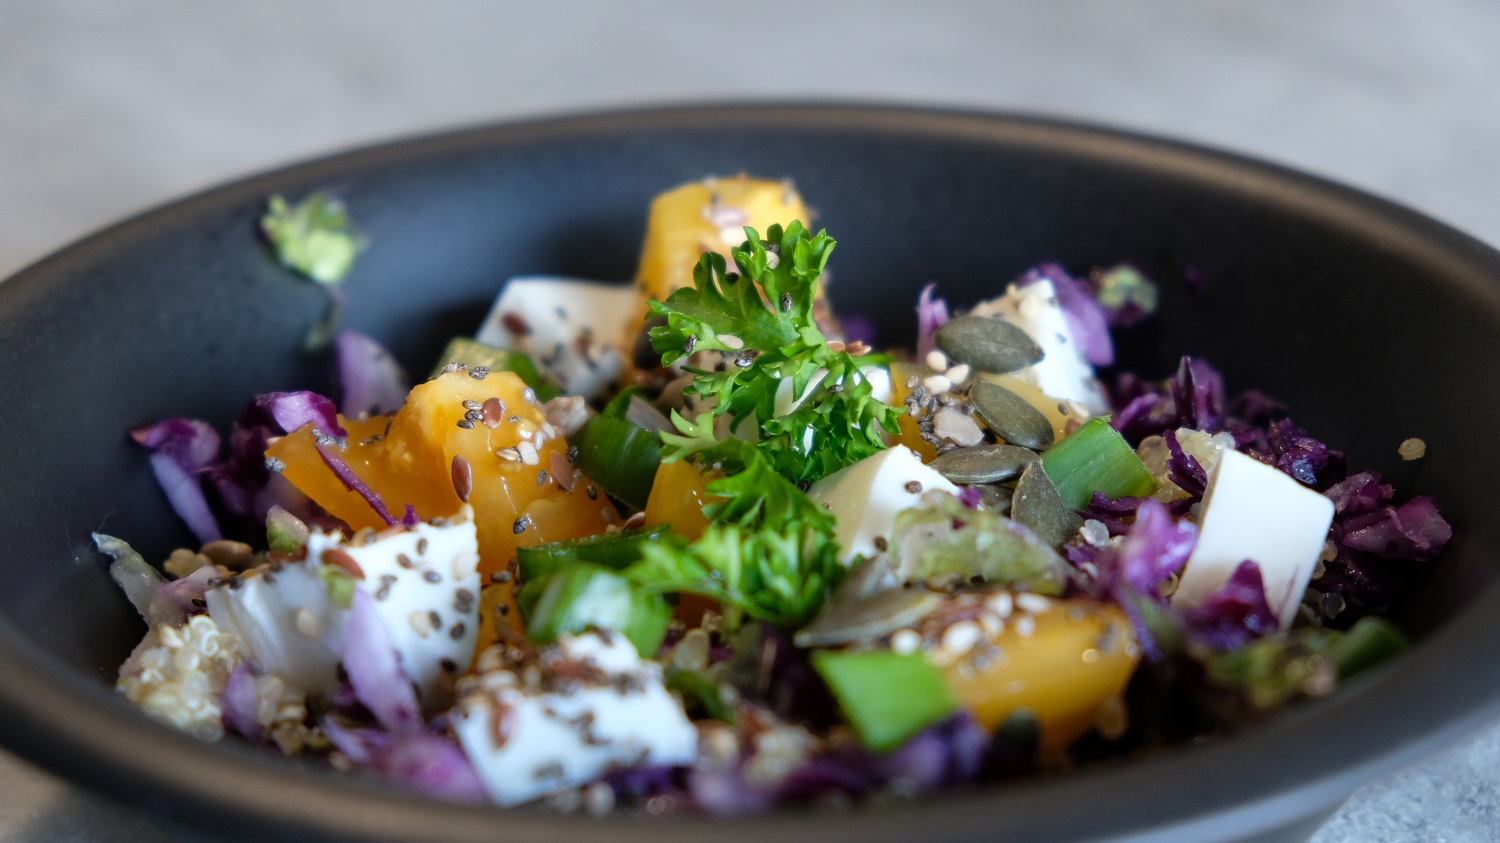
point(1011, 417)
point(984, 464)
point(865, 617)
point(988, 344)
point(1037, 504)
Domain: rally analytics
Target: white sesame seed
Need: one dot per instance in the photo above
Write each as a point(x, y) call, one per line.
point(306, 623)
point(731, 342)
point(1001, 603)
point(905, 641)
point(528, 453)
point(508, 454)
point(773, 260)
point(937, 361)
point(959, 373)
point(991, 625)
point(961, 637)
point(937, 383)
point(1025, 626)
point(1094, 532)
point(1033, 603)
point(419, 623)
point(598, 799)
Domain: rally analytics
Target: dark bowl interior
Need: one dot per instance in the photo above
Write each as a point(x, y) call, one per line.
point(1368, 320)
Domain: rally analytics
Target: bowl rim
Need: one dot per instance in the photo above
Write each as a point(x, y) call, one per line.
point(1304, 762)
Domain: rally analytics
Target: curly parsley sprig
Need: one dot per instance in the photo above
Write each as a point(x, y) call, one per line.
point(761, 318)
point(769, 554)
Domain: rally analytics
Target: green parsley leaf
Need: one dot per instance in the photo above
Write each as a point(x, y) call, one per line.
point(314, 237)
point(761, 318)
point(770, 553)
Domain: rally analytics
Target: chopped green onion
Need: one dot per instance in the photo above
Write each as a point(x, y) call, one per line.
point(339, 583)
point(618, 405)
point(1369, 642)
point(888, 697)
point(694, 687)
point(587, 596)
point(1095, 458)
point(476, 354)
point(621, 457)
point(612, 550)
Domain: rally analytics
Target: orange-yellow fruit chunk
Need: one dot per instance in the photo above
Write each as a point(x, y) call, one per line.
point(708, 216)
point(908, 435)
point(1063, 663)
point(678, 496)
point(435, 448)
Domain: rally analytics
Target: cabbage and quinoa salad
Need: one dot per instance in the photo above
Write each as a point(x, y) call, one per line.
point(693, 544)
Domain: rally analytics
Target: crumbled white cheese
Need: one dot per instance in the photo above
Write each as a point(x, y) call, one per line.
point(865, 497)
point(588, 705)
point(425, 588)
point(576, 331)
point(1253, 511)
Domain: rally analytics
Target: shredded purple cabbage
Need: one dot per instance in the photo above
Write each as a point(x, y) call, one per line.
point(293, 410)
point(1116, 514)
point(969, 496)
point(1375, 542)
point(1152, 549)
point(422, 761)
point(183, 450)
point(932, 312)
point(1234, 615)
point(353, 483)
point(857, 327)
point(371, 380)
point(238, 702)
point(1087, 319)
point(1310, 462)
point(188, 593)
point(1193, 397)
point(375, 670)
point(1184, 469)
point(948, 754)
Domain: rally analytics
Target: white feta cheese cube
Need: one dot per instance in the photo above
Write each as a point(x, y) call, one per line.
point(593, 706)
point(1063, 373)
point(284, 621)
point(1253, 511)
point(576, 331)
point(865, 497)
point(425, 586)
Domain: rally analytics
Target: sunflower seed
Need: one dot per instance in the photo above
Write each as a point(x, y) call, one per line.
point(988, 344)
point(984, 464)
point(1011, 417)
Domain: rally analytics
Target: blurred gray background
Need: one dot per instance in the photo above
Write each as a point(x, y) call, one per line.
point(109, 108)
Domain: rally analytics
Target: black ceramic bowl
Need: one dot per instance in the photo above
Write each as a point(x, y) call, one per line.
point(1371, 321)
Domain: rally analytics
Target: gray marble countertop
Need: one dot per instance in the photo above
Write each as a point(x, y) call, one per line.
point(108, 108)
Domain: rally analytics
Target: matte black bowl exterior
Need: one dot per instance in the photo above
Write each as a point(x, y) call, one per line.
point(1373, 323)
